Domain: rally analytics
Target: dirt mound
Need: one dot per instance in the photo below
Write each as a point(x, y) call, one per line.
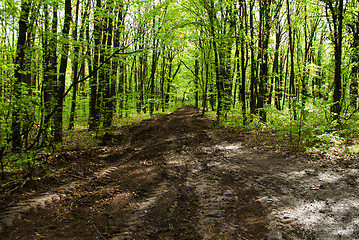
point(172, 177)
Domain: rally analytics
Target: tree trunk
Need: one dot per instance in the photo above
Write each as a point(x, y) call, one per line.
point(337, 17)
point(94, 120)
point(108, 103)
point(47, 73)
point(292, 74)
point(115, 62)
point(254, 69)
point(162, 81)
point(196, 72)
point(169, 82)
point(355, 66)
point(60, 86)
point(19, 74)
point(244, 57)
point(75, 65)
point(121, 87)
point(155, 56)
point(219, 60)
point(265, 7)
point(275, 78)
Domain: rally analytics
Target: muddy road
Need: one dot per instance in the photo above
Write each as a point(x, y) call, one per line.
point(172, 177)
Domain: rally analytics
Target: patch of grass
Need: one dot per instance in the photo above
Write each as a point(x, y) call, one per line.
point(77, 140)
point(30, 163)
point(312, 132)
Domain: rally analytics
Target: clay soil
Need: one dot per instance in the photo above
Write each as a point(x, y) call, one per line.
point(173, 177)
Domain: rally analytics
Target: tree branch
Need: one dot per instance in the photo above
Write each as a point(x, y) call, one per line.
point(199, 80)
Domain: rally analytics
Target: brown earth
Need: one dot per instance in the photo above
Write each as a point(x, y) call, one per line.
point(172, 177)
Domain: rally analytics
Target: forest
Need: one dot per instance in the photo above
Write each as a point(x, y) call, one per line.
point(288, 65)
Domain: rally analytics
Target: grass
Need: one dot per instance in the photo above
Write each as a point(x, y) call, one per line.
point(312, 132)
point(29, 163)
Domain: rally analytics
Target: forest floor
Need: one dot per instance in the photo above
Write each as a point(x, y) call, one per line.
point(173, 177)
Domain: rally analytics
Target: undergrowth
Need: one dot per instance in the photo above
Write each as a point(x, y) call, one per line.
point(24, 166)
point(17, 167)
point(311, 131)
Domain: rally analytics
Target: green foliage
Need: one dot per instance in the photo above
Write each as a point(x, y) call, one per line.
point(234, 120)
point(331, 138)
point(313, 132)
point(5, 131)
point(78, 140)
point(25, 164)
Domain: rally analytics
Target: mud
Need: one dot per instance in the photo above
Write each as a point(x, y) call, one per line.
point(172, 177)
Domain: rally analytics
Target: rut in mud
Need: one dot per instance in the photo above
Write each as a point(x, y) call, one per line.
point(172, 177)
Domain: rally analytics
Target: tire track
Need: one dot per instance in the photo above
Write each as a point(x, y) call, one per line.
point(13, 213)
point(137, 220)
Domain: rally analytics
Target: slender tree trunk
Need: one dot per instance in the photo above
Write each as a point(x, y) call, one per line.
point(241, 62)
point(108, 104)
point(75, 67)
point(309, 39)
point(19, 74)
point(196, 72)
point(142, 79)
point(217, 64)
point(46, 80)
point(337, 17)
point(244, 57)
point(226, 65)
point(265, 21)
point(167, 97)
point(155, 56)
point(319, 73)
point(162, 81)
point(292, 74)
point(101, 90)
point(142, 70)
point(49, 95)
point(206, 80)
point(275, 77)
point(285, 93)
point(355, 65)
point(60, 86)
point(115, 62)
point(171, 79)
point(121, 87)
point(253, 86)
point(94, 120)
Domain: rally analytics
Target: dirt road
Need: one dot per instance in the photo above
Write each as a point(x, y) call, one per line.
point(172, 177)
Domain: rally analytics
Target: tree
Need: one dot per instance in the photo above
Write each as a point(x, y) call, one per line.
point(49, 63)
point(335, 21)
point(94, 119)
point(254, 63)
point(222, 32)
point(292, 91)
point(20, 74)
point(354, 29)
point(78, 54)
point(60, 84)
